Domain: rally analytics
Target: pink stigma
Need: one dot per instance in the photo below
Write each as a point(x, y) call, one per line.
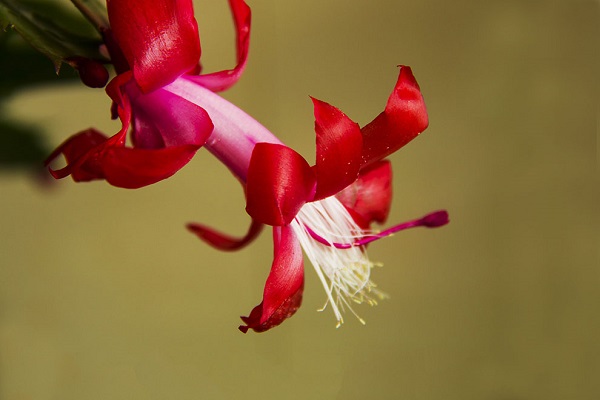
point(432, 220)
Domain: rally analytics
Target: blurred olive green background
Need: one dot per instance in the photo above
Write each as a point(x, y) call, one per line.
point(105, 295)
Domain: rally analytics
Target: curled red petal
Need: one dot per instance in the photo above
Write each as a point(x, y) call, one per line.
point(282, 295)
point(279, 183)
point(404, 117)
point(159, 39)
point(222, 241)
point(133, 168)
point(121, 107)
point(84, 151)
point(167, 133)
point(120, 166)
point(182, 128)
point(74, 149)
point(339, 147)
point(222, 80)
point(369, 198)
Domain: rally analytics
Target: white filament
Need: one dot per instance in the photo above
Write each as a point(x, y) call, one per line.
point(344, 273)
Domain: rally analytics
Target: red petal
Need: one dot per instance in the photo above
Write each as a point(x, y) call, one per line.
point(121, 166)
point(74, 149)
point(404, 118)
point(339, 147)
point(370, 197)
point(91, 156)
point(159, 39)
point(222, 241)
point(166, 121)
point(222, 80)
point(283, 290)
point(133, 168)
point(126, 167)
point(279, 182)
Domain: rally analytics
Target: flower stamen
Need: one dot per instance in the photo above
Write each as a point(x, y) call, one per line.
point(344, 270)
point(431, 220)
point(336, 246)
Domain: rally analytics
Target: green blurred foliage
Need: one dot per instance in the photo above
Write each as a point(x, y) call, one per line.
point(22, 144)
point(36, 38)
point(52, 28)
point(21, 66)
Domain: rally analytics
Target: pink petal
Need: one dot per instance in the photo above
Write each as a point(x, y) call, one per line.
point(222, 241)
point(402, 120)
point(279, 182)
point(172, 130)
point(369, 198)
point(159, 39)
point(339, 147)
point(219, 81)
point(163, 119)
point(283, 290)
point(235, 133)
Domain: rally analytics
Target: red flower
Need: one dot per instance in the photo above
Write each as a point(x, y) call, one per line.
point(327, 208)
point(152, 47)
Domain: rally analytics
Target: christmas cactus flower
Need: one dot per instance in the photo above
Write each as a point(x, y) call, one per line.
point(171, 110)
point(325, 209)
point(151, 44)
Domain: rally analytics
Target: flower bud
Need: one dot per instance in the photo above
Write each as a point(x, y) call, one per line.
point(91, 72)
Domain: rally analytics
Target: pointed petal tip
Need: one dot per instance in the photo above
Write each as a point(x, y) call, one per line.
point(60, 173)
point(263, 319)
point(222, 241)
point(403, 119)
point(222, 80)
point(282, 295)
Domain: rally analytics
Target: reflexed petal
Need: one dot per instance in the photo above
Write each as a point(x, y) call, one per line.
point(339, 146)
point(279, 182)
point(369, 198)
point(118, 165)
point(283, 290)
point(133, 168)
point(222, 80)
point(171, 141)
point(126, 167)
point(121, 107)
point(84, 152)
point(159, 39)
point(91, 156)
point(74, 149)
point(222, 241)
point(402, 120)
